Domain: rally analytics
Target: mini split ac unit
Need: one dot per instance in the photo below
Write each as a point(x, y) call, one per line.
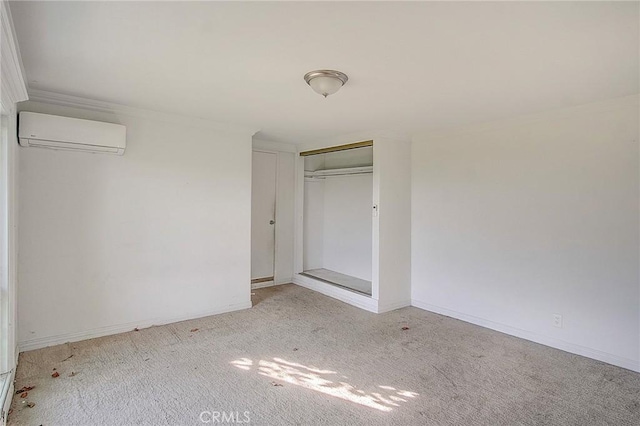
point(71, 134)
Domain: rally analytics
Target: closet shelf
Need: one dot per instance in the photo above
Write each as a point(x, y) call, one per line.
point(349, 171)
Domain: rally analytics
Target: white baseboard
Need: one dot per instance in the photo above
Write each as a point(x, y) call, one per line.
point(619, 361)
point(263, 284)
point(350, 297)
point(386, 307)
point(42, 342)
point(271, 283)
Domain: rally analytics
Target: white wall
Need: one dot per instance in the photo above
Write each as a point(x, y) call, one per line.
point(313, 231)
point(360, 157)
point(347, 225)
point(514, 222)
point(110, 243)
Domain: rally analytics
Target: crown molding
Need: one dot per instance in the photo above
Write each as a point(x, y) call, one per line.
point(13, 87)
point(631, 101)
point(53, 98)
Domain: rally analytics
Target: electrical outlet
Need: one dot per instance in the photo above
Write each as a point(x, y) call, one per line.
point(557, 320)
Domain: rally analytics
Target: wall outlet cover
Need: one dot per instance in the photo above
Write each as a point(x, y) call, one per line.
point(557, 320)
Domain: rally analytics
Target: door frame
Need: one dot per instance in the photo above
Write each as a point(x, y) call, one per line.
point(275, 218)
point(5, 355)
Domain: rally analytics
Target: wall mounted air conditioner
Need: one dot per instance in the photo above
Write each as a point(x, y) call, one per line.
point(70, 134)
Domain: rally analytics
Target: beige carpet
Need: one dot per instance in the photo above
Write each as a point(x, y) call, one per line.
point(299, 357)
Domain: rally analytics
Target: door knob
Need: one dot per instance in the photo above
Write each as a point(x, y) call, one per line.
point(272, 222)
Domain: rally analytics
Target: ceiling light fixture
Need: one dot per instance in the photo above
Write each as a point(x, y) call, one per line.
point(325, 82)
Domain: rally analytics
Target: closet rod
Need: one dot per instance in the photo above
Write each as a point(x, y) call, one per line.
point(337, 148)
point(311, 176)
point(345, 171)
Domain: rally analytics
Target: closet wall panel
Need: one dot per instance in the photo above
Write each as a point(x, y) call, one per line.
point(347, 225)
point(313, 252)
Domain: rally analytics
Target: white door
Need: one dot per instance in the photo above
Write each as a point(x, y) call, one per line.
point(263, 216)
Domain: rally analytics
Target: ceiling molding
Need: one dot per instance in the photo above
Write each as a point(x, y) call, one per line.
point(14, 89)
point(555, 114)
point(77, 102)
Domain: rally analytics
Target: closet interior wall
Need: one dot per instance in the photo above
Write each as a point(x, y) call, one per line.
point(337, 223)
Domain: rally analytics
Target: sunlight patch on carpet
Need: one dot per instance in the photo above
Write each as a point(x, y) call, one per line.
point(319, 380)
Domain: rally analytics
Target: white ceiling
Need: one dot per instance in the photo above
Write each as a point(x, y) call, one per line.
point(411, 66)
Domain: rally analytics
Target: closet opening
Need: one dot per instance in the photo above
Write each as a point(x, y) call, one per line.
point(337, 216)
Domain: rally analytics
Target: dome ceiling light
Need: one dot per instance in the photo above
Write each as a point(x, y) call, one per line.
point(325, 82)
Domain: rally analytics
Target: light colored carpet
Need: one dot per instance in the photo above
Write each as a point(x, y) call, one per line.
point(299, 357)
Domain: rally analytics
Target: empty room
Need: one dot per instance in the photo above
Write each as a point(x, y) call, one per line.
point(304, 213)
